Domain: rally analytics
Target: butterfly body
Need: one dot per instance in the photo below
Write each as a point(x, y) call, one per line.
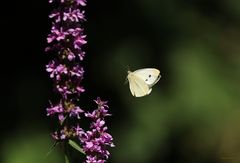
point(142, 80)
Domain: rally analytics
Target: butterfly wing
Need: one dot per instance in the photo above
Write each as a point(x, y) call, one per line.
point(149, 75)
point(137, 86)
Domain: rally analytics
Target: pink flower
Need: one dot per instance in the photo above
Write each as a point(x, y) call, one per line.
point(56, 34)
point(75, 112)
point(74, 16)
point(56, 16)
point(79, 41)
point(81, 2)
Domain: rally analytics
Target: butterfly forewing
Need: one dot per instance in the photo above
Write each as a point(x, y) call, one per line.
point(149, 75)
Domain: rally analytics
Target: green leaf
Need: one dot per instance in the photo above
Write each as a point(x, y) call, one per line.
point(52, 148)
point(66, 159)
point(75, 146)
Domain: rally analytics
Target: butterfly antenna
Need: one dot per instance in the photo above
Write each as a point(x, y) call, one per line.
point(128, 69)
point(126, 81)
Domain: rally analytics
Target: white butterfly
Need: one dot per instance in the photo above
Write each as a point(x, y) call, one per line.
point(142, 80)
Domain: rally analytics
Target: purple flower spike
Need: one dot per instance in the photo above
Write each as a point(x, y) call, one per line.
point(66, 40)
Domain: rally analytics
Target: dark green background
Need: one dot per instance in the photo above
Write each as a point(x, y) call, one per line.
point(192, 114)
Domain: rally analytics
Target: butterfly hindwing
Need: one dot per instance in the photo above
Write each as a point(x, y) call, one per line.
point(137, 86)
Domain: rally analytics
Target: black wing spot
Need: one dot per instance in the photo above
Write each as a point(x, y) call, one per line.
point(146, 80)
point(149, 76)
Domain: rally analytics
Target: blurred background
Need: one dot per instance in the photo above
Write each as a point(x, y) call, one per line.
point(193, 112)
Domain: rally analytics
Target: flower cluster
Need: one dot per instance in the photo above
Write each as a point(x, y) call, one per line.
point(96, 140)
point(65, 42)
